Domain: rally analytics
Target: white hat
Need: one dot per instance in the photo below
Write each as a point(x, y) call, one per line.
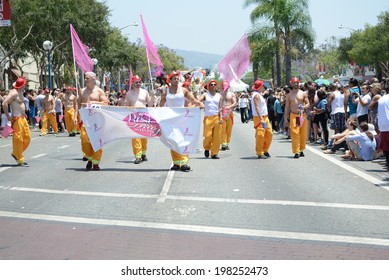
point(372, 129)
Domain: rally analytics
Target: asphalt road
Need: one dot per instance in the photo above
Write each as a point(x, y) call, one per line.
point(237, 207)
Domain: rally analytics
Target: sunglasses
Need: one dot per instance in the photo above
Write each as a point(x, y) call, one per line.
point(212, 85)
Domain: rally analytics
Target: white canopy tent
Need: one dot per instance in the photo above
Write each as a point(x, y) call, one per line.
point(238, 86)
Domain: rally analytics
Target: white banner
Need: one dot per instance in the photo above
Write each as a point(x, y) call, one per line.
point(177, 128)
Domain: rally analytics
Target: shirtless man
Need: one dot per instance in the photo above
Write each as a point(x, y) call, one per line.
point(91, 94)
point(21, 135)
point(295, 104)
point(70, 103)
point(139, 97)
point(174, 96)
point(48, 106)
point(228, 105)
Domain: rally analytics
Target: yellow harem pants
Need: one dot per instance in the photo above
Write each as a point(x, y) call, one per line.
point(21, 138)
point(227, 129)
point(139, 146)
point(69, 120)
point(212, 131)
point(263, 137)
point(53, 121)
point(179, 159)
point(297, 133)
point(87, 148)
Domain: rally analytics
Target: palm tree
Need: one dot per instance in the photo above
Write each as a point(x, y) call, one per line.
point(295, 25)
point(289, 21)
point(266, 9)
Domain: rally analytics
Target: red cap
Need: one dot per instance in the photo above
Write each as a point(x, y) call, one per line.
point(172, 74)
point(186, 84)
point(135, 78)
point(294, 80)
point(212, 81)
point(46, 90)
point(257, 85)
point(19, 83)
point(225, 85)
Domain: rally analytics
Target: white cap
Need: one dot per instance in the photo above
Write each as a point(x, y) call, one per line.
point(372, 129)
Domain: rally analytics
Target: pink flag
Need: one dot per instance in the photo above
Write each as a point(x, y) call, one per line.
point(130, 80)
point(236, 61)
point(80, 52)
point(151, 50)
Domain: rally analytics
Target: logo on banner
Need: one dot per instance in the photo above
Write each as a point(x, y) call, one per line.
point(188, 114)
point(186, 151)
point(186, 133)
point(143, 124)
point(97, 128)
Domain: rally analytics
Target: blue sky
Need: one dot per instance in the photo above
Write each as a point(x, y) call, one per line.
point(214, 26)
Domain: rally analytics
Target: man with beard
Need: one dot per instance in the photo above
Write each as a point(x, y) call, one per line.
point(295, 104)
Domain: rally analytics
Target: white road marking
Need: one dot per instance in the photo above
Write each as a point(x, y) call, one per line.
point(203, 229)
point(166, 186)
point(38, 156)
point(101, 194)
point(63, 147)
point(362, 174)
point(165, 197)
point(4, 168)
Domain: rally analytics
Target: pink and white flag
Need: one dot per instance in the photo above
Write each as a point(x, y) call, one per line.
point(80, 52)
point(151, 50)
point(177, 128)
point(236, 61)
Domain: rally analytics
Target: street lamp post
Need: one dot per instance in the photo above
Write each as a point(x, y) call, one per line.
point(47, 46)
point(342, 27)
point(133, 24)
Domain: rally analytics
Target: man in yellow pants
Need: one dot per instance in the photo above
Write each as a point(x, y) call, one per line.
point(228, 105)
point(262, 125)
point(91, 94)
point(213, 120)
point(21, 136)
point(139, 97)
point(174, 96)
point(296, 103)
point(48, 107)
point(70, 103)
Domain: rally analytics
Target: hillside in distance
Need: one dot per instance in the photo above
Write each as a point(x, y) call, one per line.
point(194, 59)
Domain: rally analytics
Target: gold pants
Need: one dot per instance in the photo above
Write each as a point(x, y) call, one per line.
point(53, 121)
point(179, 159)
point(212, 131)
point(227, 129)
point(263, 136)
point(69, 120)
point(21, 137)
point(298, 134)
point(87, 148)
point(139, 146)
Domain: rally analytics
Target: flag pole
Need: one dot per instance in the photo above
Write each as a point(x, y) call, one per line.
point(74, 61)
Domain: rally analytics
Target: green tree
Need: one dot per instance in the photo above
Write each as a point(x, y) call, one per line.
point(370, 46)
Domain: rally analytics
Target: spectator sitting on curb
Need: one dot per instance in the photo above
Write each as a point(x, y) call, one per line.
point(363, 145)
point(339, 139)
